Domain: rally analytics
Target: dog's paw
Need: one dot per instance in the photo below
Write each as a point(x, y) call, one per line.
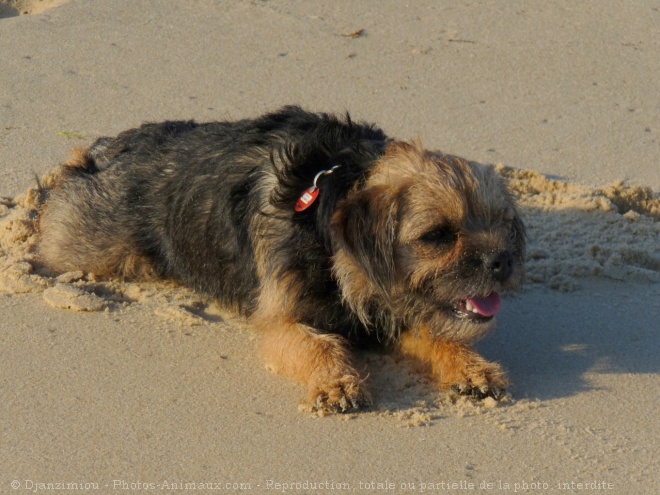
point(481, 393)
point(342, 395)
point(472, 376)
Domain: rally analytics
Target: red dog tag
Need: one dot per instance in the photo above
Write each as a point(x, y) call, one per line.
point(308, 197)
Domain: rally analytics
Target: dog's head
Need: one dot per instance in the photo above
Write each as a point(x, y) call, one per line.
point(431, 240)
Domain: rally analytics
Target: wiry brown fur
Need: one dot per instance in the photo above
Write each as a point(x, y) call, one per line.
point(65, 248)
point(399, 241)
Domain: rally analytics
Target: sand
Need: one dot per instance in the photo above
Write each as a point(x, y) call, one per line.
point(11, 8)
point(147, 387)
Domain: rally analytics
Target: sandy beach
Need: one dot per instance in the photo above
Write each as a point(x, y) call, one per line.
point(130, 387)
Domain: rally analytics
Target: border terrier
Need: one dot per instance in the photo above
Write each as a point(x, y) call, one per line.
point(323, 231)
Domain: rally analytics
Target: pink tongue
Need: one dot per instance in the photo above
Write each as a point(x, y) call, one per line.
point(487, 306)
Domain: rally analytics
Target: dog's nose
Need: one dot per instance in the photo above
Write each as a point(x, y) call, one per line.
point(500, 265)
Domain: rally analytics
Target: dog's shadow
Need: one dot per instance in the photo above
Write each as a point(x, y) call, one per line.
point(551, 342)
point(591, 304)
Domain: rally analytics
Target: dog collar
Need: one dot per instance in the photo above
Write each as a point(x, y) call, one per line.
point(311, 193)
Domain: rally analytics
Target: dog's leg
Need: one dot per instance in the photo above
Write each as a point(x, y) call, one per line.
point(321, 362)
point(455, 366)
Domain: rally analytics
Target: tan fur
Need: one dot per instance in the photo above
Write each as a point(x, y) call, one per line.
point(321, 362)
point(79, 158)
point(452, 364)
point(441, 189)
point(357, 291)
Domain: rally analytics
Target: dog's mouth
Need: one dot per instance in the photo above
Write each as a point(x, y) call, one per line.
point(478, 309)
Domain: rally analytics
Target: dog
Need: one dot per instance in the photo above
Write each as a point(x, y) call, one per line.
point(324, 232)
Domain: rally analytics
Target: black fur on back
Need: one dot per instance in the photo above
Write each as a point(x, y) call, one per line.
point(189, 192)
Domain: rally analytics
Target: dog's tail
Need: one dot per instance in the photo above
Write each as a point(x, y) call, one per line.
point(80, 161)
point(88, 161)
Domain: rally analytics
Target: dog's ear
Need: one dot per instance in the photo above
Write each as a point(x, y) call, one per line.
point(365, 227)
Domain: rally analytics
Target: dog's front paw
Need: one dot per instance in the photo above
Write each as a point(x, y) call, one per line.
point(471, 375)
point(339, 395)
point(494, 391)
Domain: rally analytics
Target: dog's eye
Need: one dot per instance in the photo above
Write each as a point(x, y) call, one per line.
point(440, 236)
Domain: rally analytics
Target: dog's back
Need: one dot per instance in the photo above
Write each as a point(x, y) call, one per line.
point(179, 199)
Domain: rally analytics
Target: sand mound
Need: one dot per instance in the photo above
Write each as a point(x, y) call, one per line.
point(69, 297)
point(576, 231)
